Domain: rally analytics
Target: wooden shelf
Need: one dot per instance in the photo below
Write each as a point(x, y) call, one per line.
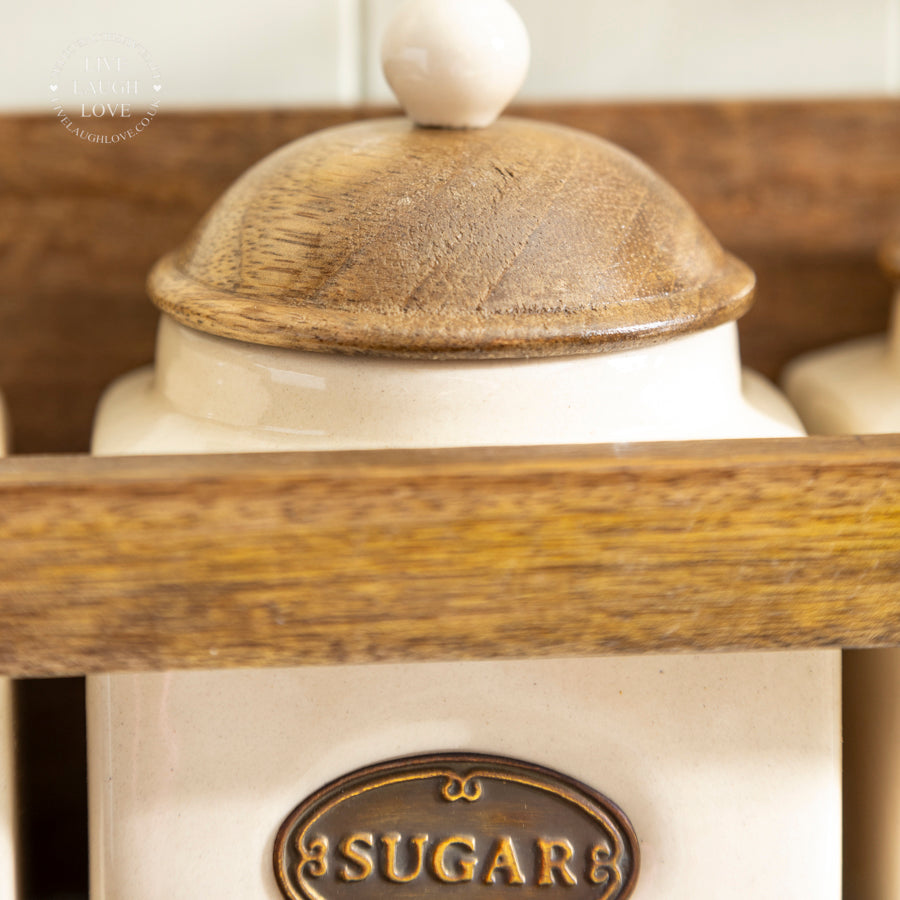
point(331, 558)
point(273, 560)
point(325, 558)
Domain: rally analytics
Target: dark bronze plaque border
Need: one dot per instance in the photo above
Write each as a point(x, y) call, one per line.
point(419, 767)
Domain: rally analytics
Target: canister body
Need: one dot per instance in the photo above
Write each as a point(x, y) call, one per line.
point(727, 765)
point(854, 388)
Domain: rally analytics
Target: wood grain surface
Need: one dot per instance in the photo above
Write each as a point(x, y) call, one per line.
point(271, 560)
point(805, 192)
point(524, 239)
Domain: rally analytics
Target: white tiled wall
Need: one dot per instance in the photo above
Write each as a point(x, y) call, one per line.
point(694, 48)
point(226, 53)
point(286, 52)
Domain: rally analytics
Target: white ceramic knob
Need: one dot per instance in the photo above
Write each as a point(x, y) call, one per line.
point(455, 63)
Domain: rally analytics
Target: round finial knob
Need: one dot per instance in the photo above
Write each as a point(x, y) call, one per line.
point(455, 63)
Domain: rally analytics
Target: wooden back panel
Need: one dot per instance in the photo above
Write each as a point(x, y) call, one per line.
point(804, 192)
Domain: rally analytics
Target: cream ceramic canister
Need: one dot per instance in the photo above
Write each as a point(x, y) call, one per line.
point(854, 388)
point(8, 861)
point(386, 284)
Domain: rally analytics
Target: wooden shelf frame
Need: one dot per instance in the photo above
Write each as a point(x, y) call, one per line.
point(142, 564)
point(333, 558)
point(184, 562)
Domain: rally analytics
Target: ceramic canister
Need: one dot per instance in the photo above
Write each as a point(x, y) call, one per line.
point(8, 865)
point(854, 388)
point(386, 285)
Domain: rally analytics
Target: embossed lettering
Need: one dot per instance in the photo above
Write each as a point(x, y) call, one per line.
point(361, 862)
point(454, 860)
point(456, 823)
point(464, 866)
point(315, 858)
point(390, 841)
point(504, 859)
point(604, 867)
point(553, 856)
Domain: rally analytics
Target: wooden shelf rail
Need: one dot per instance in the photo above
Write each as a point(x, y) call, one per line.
point(331, 558)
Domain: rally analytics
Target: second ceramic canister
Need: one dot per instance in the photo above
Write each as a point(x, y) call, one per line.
point(387, 284)
point(854, 388)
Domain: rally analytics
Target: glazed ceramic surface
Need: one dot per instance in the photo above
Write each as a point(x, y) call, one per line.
point(729, 766)
point(211, 394)
point(855, 389)
point(8, 867)
point(720, 762)
point(455, 63)
point(850, 389)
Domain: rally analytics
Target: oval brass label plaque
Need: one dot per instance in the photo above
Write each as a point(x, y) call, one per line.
point(473, 825)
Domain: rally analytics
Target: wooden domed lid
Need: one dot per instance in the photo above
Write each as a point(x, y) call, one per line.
point(519, 239)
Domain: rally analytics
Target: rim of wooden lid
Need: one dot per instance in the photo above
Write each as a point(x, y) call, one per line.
point(502, 336)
